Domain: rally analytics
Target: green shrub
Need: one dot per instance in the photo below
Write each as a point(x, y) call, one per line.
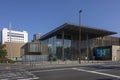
point(52, 57)
point(6, 60)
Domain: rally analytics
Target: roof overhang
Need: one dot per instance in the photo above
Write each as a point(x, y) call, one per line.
point(93, 32)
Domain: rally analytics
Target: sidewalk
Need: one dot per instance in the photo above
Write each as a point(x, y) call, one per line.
point(56, 64)
point(47, 64)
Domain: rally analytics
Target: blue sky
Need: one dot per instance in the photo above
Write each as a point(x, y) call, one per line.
point(41, 16)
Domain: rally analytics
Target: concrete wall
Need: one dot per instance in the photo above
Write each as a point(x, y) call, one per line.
point(34, 58)
point(34, 48)
point(115, 53)
point(15, 49)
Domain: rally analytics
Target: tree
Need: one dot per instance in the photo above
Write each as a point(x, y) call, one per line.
point(3, 51)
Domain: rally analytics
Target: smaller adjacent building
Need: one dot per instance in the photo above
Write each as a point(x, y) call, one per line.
point(13, 40)
point(34, 51)
point(36, 37)
point(106, 48)
point(15, 50)
point(13, 36)
point(107, 53)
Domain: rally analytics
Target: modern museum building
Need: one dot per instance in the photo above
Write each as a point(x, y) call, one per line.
point(70, 42)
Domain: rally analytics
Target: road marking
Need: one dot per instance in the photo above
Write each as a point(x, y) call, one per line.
point(52, 70)
point(106, 74)
point(28, 78)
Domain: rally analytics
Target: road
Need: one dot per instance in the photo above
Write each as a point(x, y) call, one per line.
point(88, 72)
point(105, 71)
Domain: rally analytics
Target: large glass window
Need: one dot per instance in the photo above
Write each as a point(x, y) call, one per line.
point(55, 46)
point(51, 45)
point(67, 47)
point(59, 49)
point(34, 47)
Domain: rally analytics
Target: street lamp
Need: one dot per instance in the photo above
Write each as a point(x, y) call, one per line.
point(80, 37)
point(80, 17)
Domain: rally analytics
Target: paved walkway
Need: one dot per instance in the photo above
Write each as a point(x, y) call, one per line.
point(34, 65)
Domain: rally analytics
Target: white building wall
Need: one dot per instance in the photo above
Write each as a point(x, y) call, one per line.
point(16, 36)
point(4, 35)
point(25, 37)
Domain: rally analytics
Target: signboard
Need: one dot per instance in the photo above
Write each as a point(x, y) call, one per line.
point(103, 53)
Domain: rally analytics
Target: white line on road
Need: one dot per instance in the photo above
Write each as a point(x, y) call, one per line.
point(52, 70)
point(28, 78)
point(105, 74)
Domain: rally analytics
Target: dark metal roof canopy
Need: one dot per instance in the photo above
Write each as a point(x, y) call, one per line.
point(93, 32)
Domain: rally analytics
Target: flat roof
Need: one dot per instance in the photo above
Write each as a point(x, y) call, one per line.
point(93, 32)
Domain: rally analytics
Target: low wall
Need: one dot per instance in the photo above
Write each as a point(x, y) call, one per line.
point(28, 58)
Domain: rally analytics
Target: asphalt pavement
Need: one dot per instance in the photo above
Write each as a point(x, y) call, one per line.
point(87, 72)
point(94, 71)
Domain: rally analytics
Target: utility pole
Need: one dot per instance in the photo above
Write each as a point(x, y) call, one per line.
point(10, 44)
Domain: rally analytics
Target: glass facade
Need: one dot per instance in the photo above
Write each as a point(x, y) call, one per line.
point(56, 46)
point(67, 47)
point(34, 47)
point(51, 45)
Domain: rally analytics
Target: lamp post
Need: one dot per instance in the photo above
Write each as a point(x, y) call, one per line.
point(80, 17)
point(79, 37)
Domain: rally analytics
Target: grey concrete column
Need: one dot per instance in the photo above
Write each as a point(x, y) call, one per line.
point(102, 41)
point(79, 41)
point(63, 45)
point(72, 50)
point(87, 45)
